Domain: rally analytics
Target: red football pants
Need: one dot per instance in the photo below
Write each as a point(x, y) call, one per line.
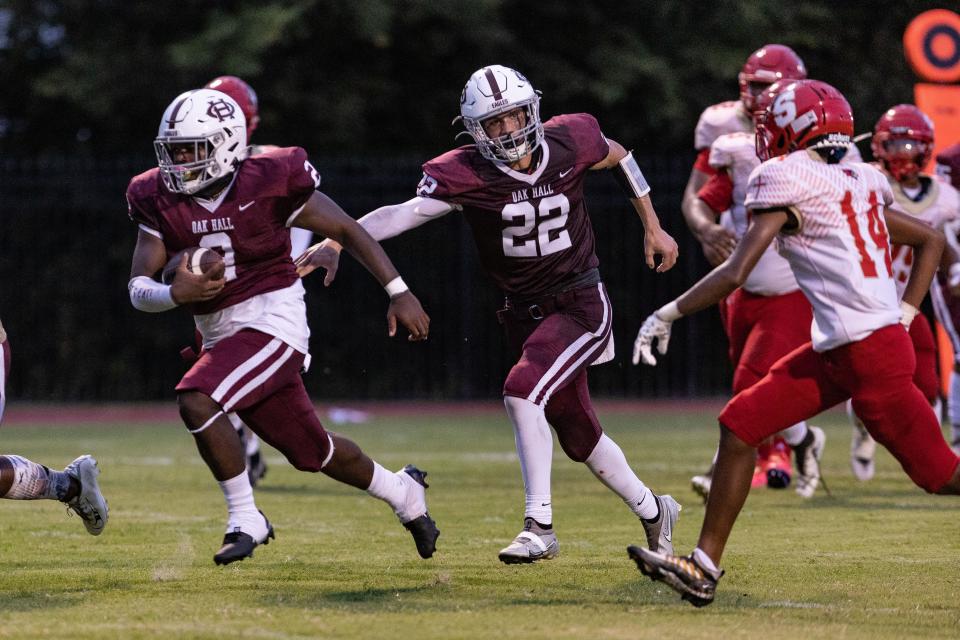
point(877, 373)
point(763, 329)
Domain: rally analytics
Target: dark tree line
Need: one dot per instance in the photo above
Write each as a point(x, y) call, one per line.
point(358, 77)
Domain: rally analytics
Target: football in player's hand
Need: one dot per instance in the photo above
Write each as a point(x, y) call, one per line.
point(199, 261)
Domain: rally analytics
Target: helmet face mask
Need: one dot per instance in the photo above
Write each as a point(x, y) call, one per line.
point(802, 114)
point(202, 139)
point(491, 92)
point(903, 141)
point(768, 64)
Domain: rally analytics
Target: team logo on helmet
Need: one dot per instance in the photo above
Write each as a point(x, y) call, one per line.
point(221, 110)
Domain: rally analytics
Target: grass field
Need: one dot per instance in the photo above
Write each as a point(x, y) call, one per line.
point(877, 560)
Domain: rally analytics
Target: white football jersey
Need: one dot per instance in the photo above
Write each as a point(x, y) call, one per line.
point(736, 154)
point(718, 119)
point(838, 247)
point(939, 206)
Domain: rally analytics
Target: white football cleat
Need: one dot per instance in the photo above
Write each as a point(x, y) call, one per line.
point(89, 504)
point(862, 447)
point(660, 533)
point(530, 545)
point(701, 486)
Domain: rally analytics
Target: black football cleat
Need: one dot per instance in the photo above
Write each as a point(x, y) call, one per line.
point(422, 528)
point(238, 545)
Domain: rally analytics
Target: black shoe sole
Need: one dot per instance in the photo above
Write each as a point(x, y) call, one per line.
point(651, 572)
point(425, 533)
point(241, 548)
point(423, 529)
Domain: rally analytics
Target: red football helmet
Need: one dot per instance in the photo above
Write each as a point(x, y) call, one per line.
point(903, 141)
point(948, 164)
point(243, 94)
point(768, 64)
point(802, 114)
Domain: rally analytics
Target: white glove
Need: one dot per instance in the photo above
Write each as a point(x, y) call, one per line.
point(907, 313)
point(653, 328)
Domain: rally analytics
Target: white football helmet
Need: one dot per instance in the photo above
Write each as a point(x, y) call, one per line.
point(214, 124)
point(491, 91)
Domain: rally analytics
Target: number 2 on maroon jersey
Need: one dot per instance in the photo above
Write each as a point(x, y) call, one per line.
point(875, 227)
point(222, 242)
point(550, 237)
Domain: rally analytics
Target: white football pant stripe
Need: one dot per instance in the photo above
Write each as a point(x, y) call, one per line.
point(563, 360)
point(258, 380)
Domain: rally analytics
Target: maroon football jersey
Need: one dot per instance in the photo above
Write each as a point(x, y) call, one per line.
point(248, 227)
point(531, 229)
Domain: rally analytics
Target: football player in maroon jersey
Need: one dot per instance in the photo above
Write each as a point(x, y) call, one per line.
point(207, 192)
point(22, 479)
point(244, 95)
point(520, 188)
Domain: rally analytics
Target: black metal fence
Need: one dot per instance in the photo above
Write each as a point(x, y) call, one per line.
point(66, 242)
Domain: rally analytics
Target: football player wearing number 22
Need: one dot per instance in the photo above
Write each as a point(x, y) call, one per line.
point(520, 187)
point(834, 226)
point(208, 192)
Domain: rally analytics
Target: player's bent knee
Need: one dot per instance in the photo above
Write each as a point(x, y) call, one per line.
point(579, 448)
point(196, 407)
point(730, 439)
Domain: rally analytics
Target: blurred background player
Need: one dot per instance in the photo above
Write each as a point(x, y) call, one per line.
point(300, 239)
point(520, 187)
point(207, 192)
point(768, 316)
point(76, 486)
point(766, 65)
point(902, 146)
point(944, 292)
point(832, 222)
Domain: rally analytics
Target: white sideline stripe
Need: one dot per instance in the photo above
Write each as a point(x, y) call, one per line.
point(256, 382)
point(561, 360)
point(207, 423)
point(244, 369)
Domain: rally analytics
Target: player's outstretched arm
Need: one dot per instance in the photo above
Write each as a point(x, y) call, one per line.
point(656, 241)
point(385, 222)
point(146, 294)
point(928, 244)
point(324, 216)
point(712, 288)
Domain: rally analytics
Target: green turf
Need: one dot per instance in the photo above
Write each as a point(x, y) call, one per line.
point(878, 560)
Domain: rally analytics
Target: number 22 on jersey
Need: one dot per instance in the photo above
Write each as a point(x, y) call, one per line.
point(876, 229)
point(536, 231)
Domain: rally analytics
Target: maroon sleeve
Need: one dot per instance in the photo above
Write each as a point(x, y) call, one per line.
point(447, 176)
point(141, 208)
point(590, 143)
point(302, 178)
